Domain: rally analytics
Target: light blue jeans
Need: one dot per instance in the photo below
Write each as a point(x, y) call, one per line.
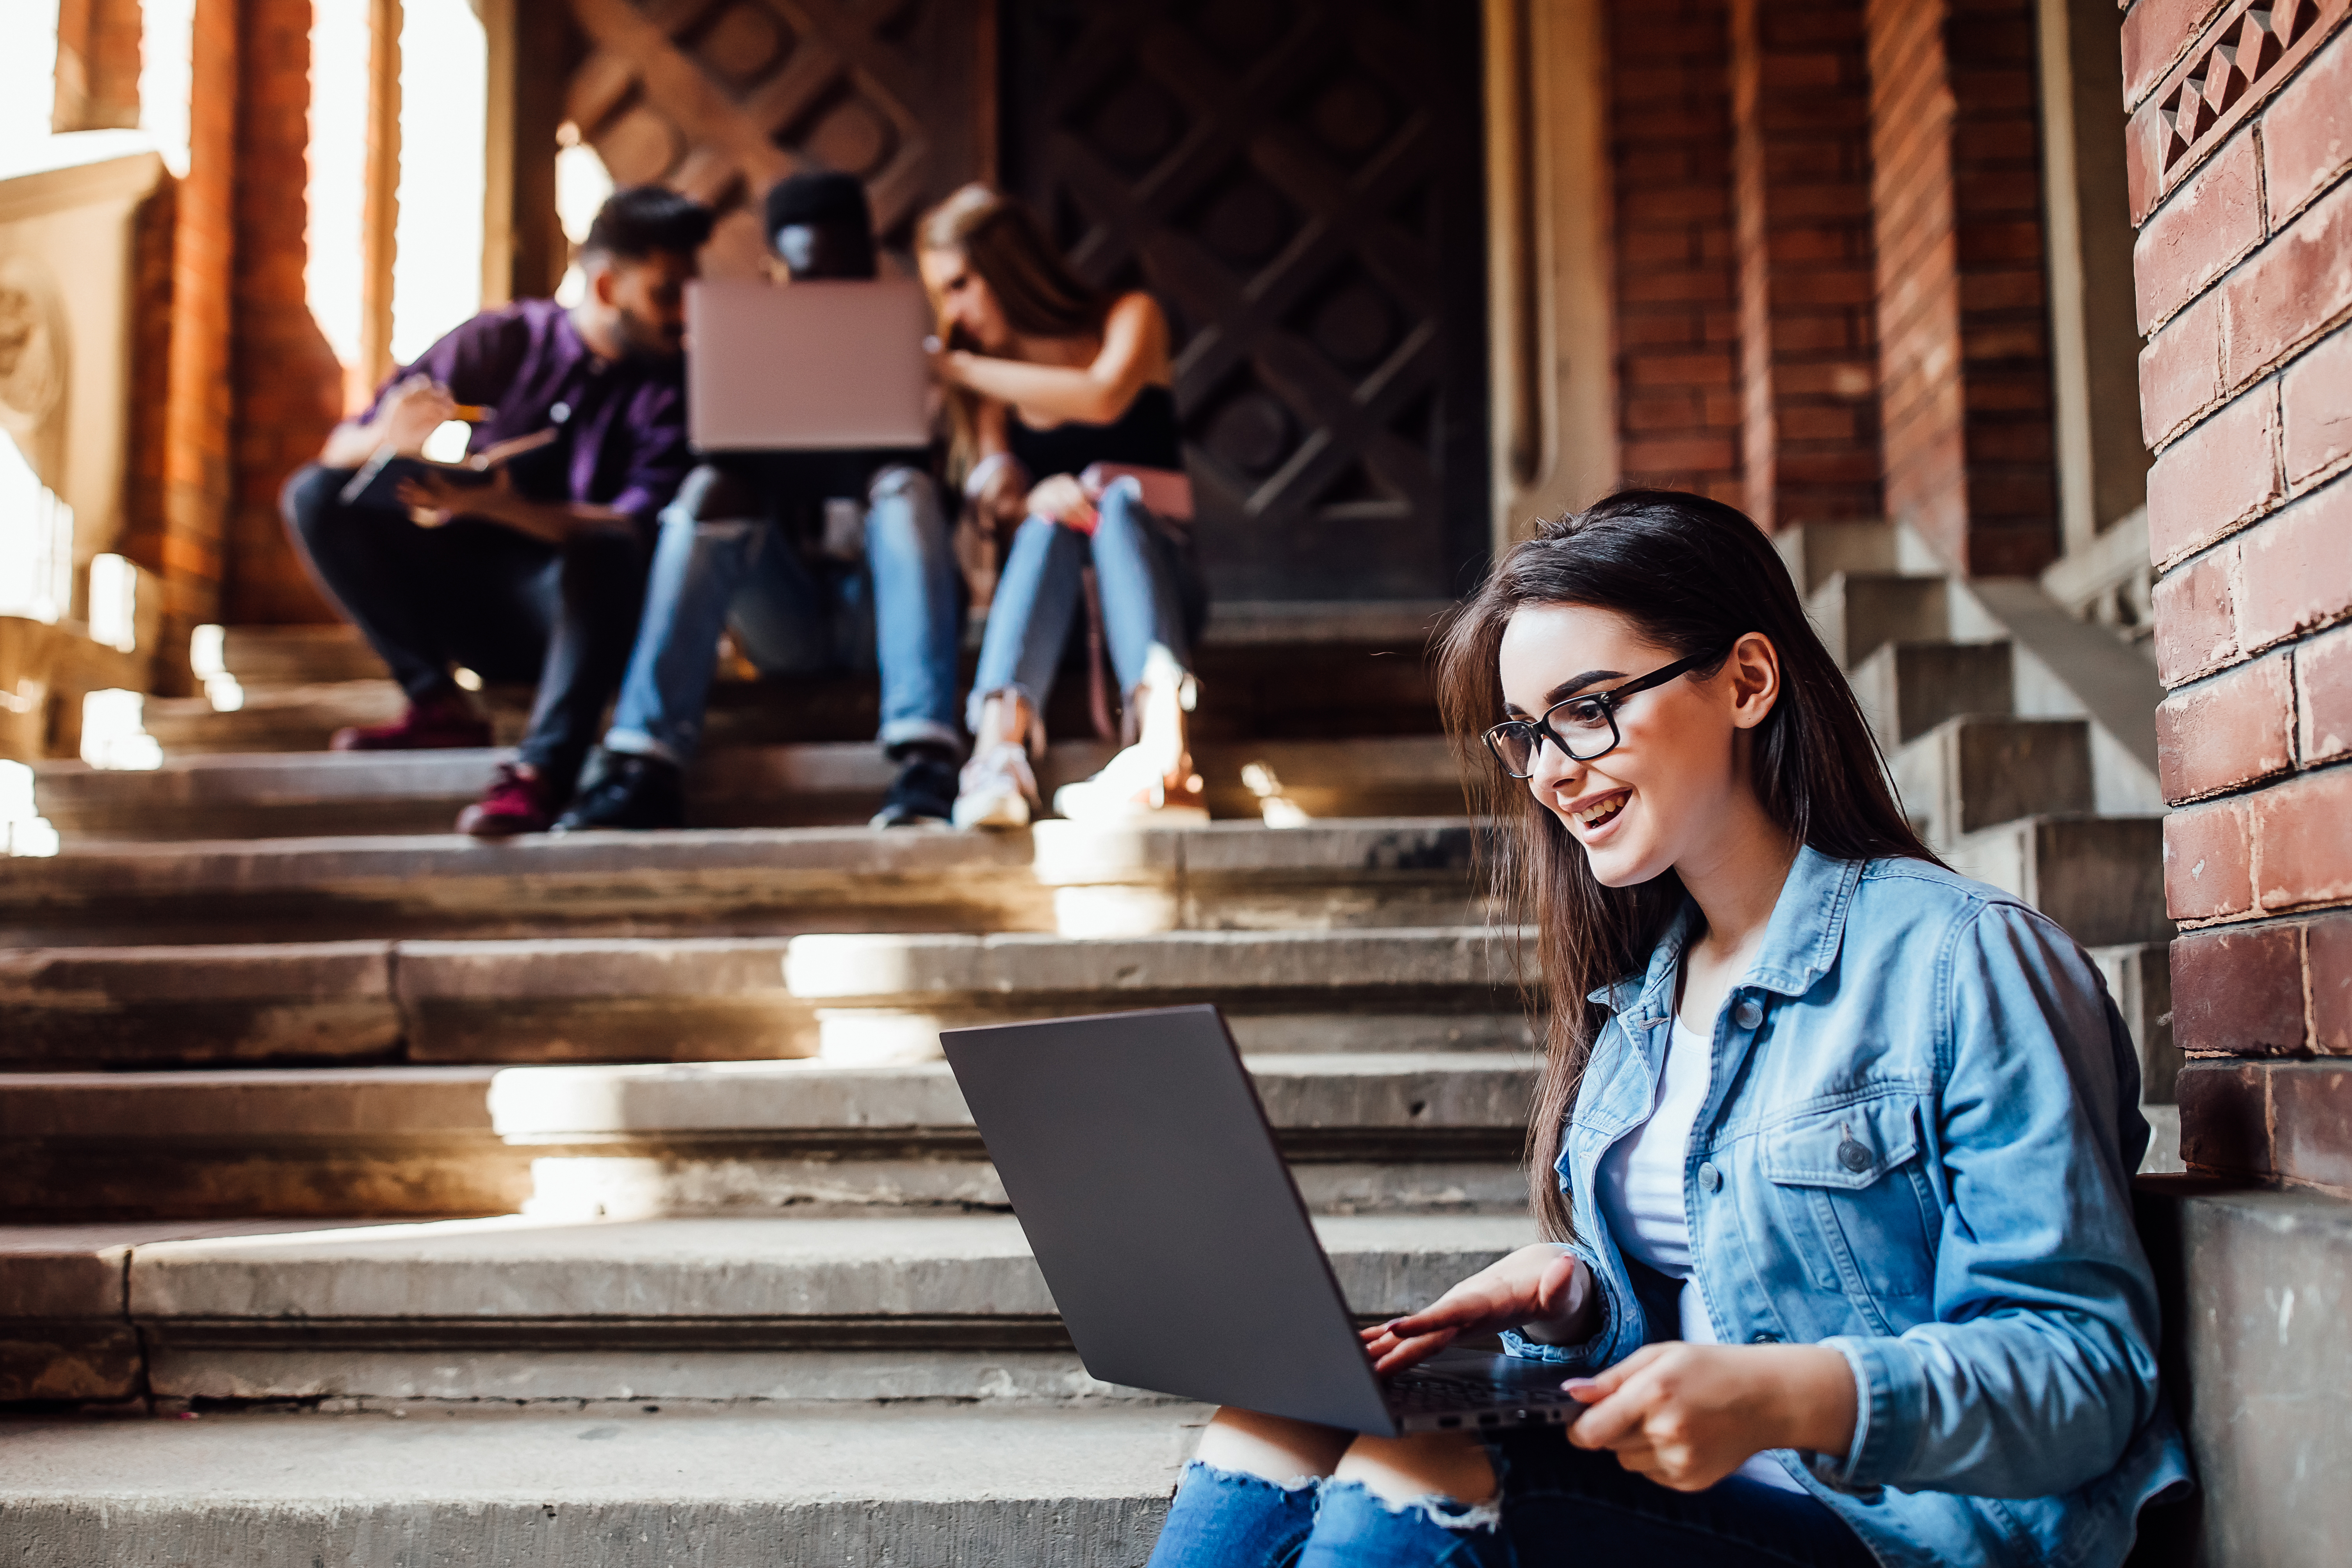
point(1151, 592)
point(902, 609)
point(1557, 1507)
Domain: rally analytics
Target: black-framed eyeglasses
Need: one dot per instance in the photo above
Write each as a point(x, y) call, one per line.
point(1583, 727)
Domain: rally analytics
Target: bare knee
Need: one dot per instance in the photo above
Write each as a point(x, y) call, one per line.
point(1273, 1447)
point(1401, 1470)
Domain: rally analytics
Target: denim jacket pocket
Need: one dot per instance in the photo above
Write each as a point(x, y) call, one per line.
point(1851, 1184)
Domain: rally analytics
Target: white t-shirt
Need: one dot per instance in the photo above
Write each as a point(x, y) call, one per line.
point(1640, 1196)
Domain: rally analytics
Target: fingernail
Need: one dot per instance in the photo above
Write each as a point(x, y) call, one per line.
point(1578, 1387)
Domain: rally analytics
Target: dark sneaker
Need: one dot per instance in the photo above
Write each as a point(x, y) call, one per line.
point(923, 796)
point(435, 724)
point(627, 791)
point(519, 801)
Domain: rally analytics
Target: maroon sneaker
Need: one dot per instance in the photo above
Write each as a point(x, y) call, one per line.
point(519, 801)
point(435, 724)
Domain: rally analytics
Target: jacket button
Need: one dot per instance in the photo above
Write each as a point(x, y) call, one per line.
point(1763, 1337)
point(1709, 1177)
point(1748, 1013)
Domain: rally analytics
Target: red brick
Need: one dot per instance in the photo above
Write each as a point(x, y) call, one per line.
point(1683, 455)
point(2327, 981)
point(2238, 990)
point(2229, 730)
point(2302, 841)
point(2293, 288)
point(2215, 478)
point(2180, 370)
point(2225, 1124)
point(2200, 233)
point(2196, 621)
point(2297, 569)
point(2323, 689)
point(2307, 130)
point(2209, 861)
point(1679, 370)
point(2317, 393)
point(2155, 33)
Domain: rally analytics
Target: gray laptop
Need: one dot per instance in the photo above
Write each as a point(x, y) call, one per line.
point(1145, 1175)
point(829, 365)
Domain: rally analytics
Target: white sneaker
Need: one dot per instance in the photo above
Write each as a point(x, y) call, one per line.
point(1132, 788)
point(997, 790)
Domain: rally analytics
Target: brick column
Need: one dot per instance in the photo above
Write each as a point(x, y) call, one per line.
point(1677, 311)
point(97, 65)
point(197, 404)
point(1962, 322)
point(1809, 379)
point(2241, 146)
point(288, 383)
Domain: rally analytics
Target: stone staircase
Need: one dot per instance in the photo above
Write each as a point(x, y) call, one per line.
point(603, 1200)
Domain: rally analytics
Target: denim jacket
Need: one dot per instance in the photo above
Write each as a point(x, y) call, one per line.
point(1916, 1148)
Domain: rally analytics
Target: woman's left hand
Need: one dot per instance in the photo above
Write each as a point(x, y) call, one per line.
point(1688, 1416)
point(1063, 498)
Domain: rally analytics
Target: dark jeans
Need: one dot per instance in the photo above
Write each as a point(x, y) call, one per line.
point(1559, 1506)
point(507, 607)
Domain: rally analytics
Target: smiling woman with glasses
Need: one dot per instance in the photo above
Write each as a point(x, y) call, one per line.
point(1793, 1066)
point(1584, 727)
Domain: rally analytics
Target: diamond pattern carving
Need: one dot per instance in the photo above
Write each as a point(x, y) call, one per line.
point(722, 98)
point(1265, 169)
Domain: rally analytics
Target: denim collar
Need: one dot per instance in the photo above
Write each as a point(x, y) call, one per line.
point(1799, 943)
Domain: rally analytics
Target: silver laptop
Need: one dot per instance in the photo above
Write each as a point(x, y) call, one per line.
point(1144, 1173)
point(826, 365)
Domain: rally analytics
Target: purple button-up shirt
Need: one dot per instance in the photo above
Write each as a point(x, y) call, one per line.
point(622, 423)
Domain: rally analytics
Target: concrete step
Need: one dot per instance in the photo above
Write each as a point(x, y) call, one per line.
point(859, 999)
point(1436, 1131)
point(1268, 671)
point(881, 997)
point(2101, 878)
point(296, 794)
point(783, 1487)
point(762, 881)
point(1978, 771)
point(1907, 688)
point(2255, 1288)
point(2139, 977)
point(1816, 552)
point(1858, 611)
point(713, 1309)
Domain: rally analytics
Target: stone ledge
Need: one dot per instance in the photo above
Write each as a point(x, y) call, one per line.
point(788, 1488)
point(974, 1267)
point(577, 1105)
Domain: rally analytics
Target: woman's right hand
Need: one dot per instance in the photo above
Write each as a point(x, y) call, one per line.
point(1542, 1287)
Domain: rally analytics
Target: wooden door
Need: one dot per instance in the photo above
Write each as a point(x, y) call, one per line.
point(1300, 183)
point(722, 98)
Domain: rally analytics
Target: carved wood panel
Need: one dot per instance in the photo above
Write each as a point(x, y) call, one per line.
point(722, 98)
point(1300, 185)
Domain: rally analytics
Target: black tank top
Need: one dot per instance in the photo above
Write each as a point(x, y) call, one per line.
point(1142, 438)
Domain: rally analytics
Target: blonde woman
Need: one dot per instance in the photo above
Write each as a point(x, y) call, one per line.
point(1065, 419)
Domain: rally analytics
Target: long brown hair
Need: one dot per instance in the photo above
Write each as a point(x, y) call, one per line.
point(1695, 575)
point(1007, 247)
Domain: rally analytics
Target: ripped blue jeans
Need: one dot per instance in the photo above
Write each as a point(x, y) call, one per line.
point(1558, 1505)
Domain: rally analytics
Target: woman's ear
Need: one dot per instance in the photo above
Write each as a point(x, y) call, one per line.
point(1754, 665)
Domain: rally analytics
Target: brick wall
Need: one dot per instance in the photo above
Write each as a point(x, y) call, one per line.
point(197, 402)
point(1801, 111)
point(2244, 275)
point(1962, 317)
point(1677, 284)
point(288, 385)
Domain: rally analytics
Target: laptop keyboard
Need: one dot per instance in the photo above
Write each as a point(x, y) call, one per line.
point(1418, 1391)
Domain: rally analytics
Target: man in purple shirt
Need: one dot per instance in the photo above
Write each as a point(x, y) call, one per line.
point(538, 574)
